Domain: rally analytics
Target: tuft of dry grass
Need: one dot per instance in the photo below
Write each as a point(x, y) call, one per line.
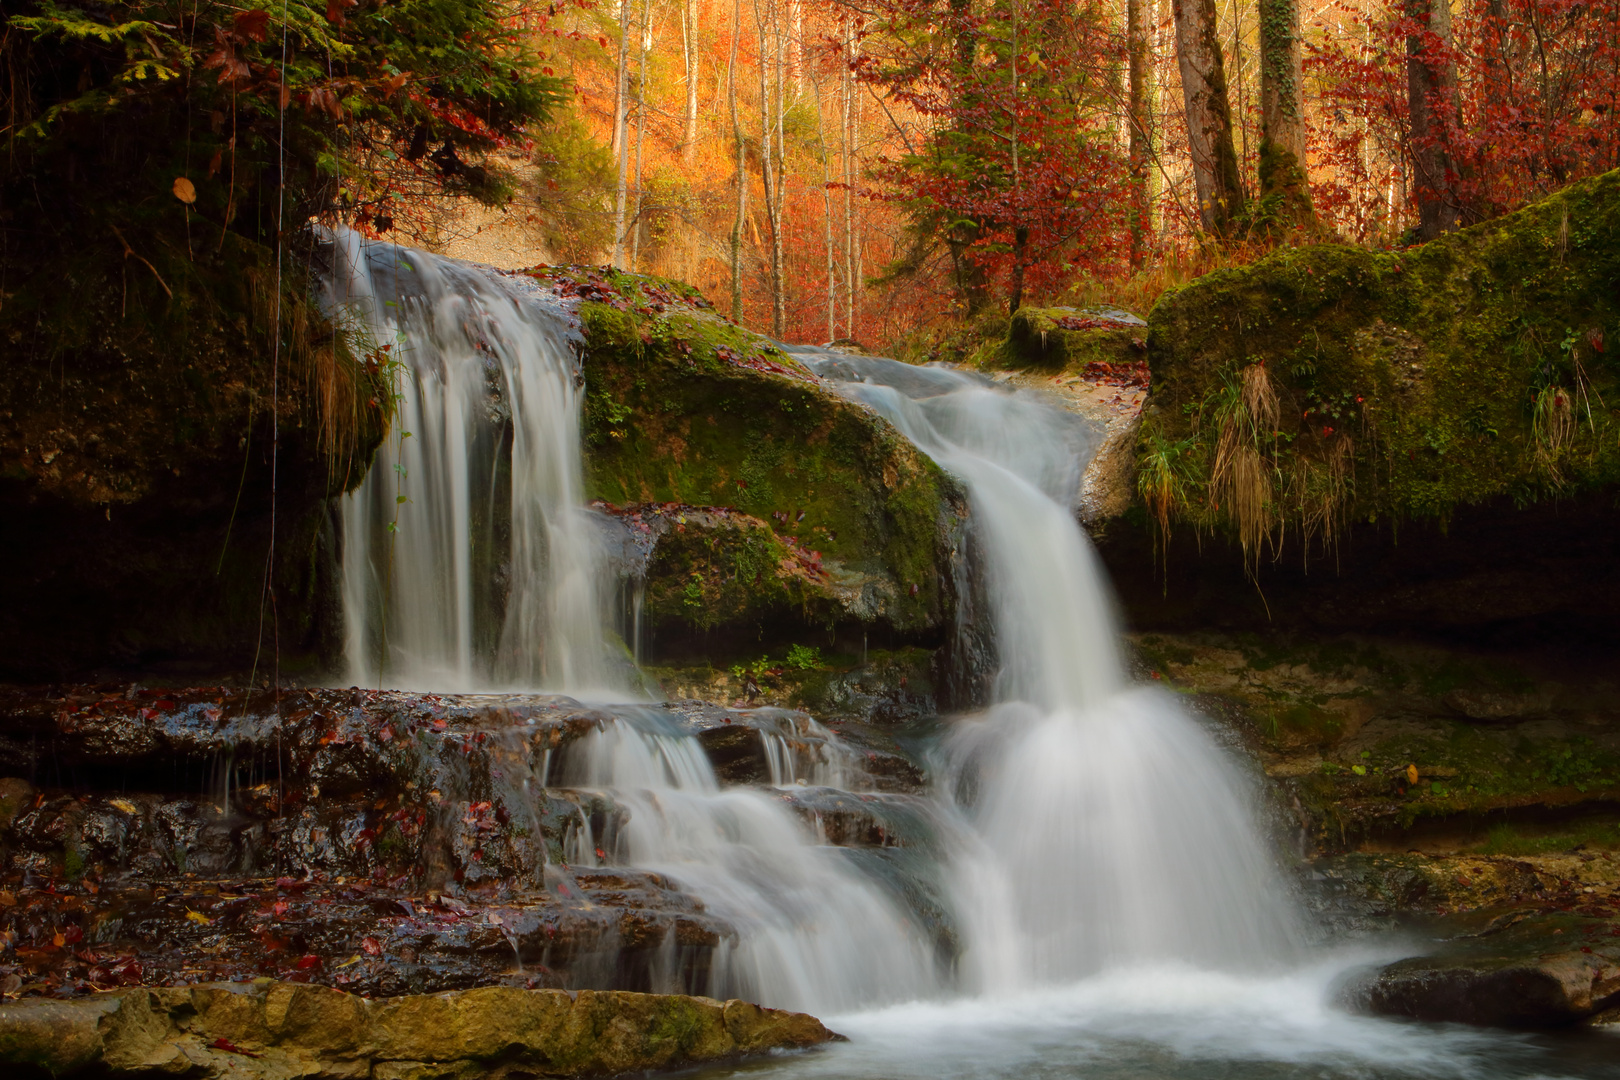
point(1241, 479)
point(1321, 493)
point(1553, 426)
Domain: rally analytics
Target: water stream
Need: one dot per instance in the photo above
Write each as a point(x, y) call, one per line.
point(1115, 906)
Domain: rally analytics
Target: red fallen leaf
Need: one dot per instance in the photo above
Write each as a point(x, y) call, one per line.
point(370, 946)
point(385, 733)
point(73, 934)
point(229, 1047)
point(334, 10)
point(307, 963)
point(600, 854)
point(280, 907)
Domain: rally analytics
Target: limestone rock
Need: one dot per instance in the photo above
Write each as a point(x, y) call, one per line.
point(272, 1031)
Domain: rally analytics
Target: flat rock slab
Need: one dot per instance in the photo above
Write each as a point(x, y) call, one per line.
point(1516, 969)
point(276, 1031)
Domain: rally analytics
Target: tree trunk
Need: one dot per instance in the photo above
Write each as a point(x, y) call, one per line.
point(827, 212)
point(641, 132)
point(1020, 248)
point(1209, 116)
point(1431, 82)
point(851, 140)
point(1282, 116)
point(764, 17)
point(620, 88)
point(689, 45)
point(1136, 46)
point(742, 166)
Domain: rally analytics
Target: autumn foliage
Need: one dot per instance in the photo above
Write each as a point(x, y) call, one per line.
point(1537, 84)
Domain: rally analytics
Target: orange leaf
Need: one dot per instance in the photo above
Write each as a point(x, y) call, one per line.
point(184, 190)
point(334, 10)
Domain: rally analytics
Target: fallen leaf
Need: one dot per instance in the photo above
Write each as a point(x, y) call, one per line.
point(197, 917)
point(186, 192)
point(229, 1047)
point(371, 947)
point(1411, 774)
point(306, 963)
point(350, 962)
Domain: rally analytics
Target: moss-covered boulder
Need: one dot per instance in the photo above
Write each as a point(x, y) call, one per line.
point(1064, 337)
point(1416, 440)
point(152, 434)
point(1482, 364)
point(792, 507)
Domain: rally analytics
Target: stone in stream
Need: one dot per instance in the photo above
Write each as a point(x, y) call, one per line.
point(1529, 971)
point(270, 1031)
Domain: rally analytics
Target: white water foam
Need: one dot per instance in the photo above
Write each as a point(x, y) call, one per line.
point(812, 932)
point(1116, 832)
point(488, 574)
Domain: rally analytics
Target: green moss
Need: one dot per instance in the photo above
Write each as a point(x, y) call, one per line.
point(1035, 339)
point(684, 407)
point(1425, 365)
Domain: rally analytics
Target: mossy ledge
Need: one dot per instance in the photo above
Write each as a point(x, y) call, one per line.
point(689, 412)
point(1481, 365)
point(278, 1031)
point(1422, 474)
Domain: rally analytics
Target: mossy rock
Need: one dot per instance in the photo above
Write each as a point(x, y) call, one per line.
point(1434, 362)
point(152, 431)
point(683, 407)
point(1064, 337)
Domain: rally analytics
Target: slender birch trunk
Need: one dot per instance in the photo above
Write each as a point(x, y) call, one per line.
point(742, 161)
point(641, 131)
point(1209, 116)
point(620, 88)
point(689, 46)
point(765, 19)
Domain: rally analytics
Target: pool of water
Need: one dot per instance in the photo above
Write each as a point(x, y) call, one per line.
point(1178, 1022)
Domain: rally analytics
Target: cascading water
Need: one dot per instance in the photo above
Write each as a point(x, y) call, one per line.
point(1106, 829)
point(812, 932)
point(1117, 832)
point(1090, 865)
point(470, 560)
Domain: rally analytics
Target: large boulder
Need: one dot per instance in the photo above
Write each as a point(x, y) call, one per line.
point(269, 1031)
point(1419, 439)
point(774, 507)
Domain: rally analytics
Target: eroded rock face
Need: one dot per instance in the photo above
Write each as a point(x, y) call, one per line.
point(387, 843)
point(271, 1031)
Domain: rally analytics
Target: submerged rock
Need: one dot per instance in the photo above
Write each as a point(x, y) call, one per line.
point(271, 1031)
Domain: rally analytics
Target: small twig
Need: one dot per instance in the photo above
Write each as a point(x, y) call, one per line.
point(129, 252)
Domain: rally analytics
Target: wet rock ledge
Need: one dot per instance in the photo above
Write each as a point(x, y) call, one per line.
point(270, 1030)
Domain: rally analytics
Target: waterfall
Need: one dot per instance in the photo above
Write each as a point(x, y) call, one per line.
point(812, 931)
point(1082, 823)
point(470, 560)
point(1115, 831)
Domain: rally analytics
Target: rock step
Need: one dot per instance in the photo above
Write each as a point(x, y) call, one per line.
point(270, 1031)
